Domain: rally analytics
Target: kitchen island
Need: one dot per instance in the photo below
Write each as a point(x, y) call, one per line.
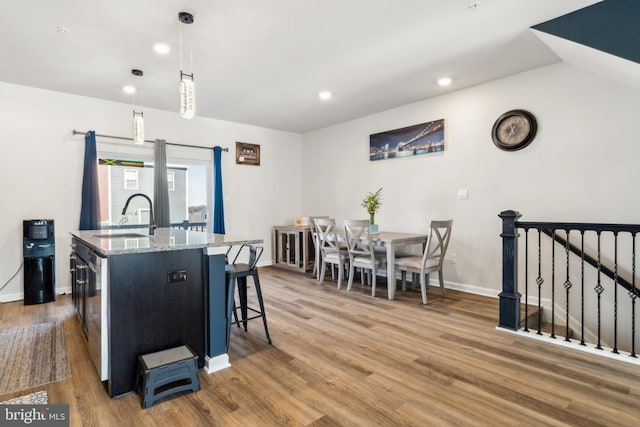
point(136, 294)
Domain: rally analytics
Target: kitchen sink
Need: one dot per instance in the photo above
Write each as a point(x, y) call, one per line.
point(120, 235)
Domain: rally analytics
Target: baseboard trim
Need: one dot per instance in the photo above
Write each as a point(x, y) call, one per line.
point(470, 289)
point(216, 363)
point(18, 296)
point(11, 297)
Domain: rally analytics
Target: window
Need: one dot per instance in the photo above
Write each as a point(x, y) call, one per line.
point(171, 181)
point(130, 179)
point(188, 178)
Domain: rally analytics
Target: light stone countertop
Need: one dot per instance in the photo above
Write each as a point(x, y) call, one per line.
point(132, 241)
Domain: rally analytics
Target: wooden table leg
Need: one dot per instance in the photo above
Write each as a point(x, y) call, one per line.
point(391, 271)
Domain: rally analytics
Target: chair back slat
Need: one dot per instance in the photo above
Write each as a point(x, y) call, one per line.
point(438, 241)
point(312, 220)
point(255, 252)
point(326, 229)
point(356, 232)
point(314, 229)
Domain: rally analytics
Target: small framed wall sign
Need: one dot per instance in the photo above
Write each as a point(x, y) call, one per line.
point(247, 154)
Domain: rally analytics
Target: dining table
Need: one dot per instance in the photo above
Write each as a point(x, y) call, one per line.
point(392, 240)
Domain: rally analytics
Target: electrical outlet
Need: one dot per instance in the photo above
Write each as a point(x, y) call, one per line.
point(177, 276)
point(453, 258)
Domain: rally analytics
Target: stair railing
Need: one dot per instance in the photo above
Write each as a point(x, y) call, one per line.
point(510, 298)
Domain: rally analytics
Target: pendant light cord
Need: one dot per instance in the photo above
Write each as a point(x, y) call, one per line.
point(181, 47)
point(190, 53)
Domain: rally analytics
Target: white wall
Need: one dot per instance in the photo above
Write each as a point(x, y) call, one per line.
point(582, 165)
point(41, 169)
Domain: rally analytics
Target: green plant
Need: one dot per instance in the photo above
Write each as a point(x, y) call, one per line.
point(372, 203)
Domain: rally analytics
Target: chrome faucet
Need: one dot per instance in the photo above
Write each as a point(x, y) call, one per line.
point(152, 225)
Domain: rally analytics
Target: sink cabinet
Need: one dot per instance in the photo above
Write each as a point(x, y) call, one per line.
point(147, 310)
point(83, 281)
point(78, 269)
point(136, 295)
point(88, 286)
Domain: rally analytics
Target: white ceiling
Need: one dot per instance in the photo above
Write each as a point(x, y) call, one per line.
point(610, 66)
point(263, 62)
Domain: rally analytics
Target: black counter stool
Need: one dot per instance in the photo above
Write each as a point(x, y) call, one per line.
point(238, 273)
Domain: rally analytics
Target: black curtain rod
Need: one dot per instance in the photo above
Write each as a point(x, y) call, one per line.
point(77, 132)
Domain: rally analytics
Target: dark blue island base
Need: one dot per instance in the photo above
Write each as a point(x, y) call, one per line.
point(162, 292)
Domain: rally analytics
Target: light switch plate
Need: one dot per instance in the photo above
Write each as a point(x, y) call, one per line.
point(463, 194)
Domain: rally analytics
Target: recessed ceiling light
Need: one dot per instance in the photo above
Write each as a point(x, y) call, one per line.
point(129, 89)
point(475, 6)
point(62, 30)
point(324, 95)
point(161, 48)
point(444, 81)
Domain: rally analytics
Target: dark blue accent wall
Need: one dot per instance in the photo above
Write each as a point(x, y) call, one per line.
point(612, 26)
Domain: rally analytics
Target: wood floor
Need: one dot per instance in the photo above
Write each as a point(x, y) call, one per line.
point(349, 359)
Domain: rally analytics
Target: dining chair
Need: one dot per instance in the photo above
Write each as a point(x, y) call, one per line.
point(331, 251)
point(316, 244)
point(431, 259)
point(361, 251)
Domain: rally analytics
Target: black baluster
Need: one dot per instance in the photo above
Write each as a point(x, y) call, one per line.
point(539, 282)
point(633, 295)
point(526, 280)
point(553, 283)
point(599, 289)
point(582, 288)
point(615, 292)
point(567, 286)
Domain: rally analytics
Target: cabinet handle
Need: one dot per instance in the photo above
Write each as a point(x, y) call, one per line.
point(71, 270)
point(82, 267)
point(81, 282)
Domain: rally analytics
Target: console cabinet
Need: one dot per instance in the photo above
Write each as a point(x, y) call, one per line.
point(293, 248)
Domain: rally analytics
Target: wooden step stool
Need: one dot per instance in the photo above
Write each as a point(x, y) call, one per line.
point(166, 372)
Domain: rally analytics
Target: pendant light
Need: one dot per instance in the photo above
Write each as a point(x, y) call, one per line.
point(187, 86)
point(138, 128)
point(138, 117)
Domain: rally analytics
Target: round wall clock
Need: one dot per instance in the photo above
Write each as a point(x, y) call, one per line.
point(514, 130)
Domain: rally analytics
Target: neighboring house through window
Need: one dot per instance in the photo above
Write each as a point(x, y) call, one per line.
point(171, 181)
point(130, 179)
point(188, 179)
